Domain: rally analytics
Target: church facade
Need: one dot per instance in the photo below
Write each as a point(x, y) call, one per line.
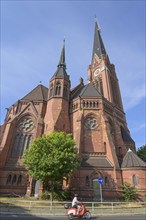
point(93, 113)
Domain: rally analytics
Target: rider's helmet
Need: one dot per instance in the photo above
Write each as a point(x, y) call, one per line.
point(76, 195)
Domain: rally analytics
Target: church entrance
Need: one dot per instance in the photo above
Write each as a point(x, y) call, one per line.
point(96, 190)
point(36, 189)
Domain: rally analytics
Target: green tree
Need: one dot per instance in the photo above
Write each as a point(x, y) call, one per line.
point(141, 152)
point(129, 192)
point(52, 158)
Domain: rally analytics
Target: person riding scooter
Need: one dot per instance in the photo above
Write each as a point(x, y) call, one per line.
point(75, 203)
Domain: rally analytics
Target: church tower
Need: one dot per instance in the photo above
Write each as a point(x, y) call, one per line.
point(102, 73)
point(99, 126)
point(57, 113)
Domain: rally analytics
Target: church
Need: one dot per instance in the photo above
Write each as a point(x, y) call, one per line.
point(93, 113)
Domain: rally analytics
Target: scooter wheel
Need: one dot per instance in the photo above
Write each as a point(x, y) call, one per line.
point(70, 216)
point(87, 215)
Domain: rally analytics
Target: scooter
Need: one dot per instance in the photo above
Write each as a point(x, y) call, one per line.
point(81, 212)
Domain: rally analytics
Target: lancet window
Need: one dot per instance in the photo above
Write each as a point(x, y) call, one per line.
point(58, 89)
point(23, 137)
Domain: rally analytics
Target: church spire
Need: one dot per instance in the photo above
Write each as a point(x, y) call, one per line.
point(98, 46)
point(62, 57)
point(61, 67)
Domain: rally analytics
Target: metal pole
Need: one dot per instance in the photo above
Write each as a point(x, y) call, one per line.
point(101, 192)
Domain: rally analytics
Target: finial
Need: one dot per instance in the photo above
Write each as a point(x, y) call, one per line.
point(64, 41)
point(97, 22)
point(81, 80)
point(40, 82)
point(95, 18)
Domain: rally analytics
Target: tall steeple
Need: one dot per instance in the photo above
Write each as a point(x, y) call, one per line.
point(62, 57)
point(61, 67)
point(98, 46)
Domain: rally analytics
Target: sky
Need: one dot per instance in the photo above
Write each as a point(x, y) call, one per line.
point(32, 34)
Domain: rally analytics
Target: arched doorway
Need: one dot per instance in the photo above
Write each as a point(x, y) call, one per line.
point(96, 190)
point(37, 187)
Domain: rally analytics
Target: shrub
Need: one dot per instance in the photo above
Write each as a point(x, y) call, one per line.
point(45, 195)
point(129, 192)
point(144, 198)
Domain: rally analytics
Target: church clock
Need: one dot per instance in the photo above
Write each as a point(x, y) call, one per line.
point(97, 71)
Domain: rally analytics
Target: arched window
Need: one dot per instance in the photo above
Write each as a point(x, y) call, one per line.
point(65, 91)
point(135, 180)
point(120, 151)
point(106, 180)
point(9, 179)
point(15, 147)
point(104, 146)
point(87, 181)
point(19, 180)
point(58, 89)
point(23, 138)
point(14, 179)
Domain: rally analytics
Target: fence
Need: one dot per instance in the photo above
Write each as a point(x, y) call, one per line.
point(57, 208)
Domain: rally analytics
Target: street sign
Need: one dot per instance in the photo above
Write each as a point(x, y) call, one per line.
point(100, 180)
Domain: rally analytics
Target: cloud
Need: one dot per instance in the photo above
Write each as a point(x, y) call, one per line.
point(133, 95)
point(138, 128)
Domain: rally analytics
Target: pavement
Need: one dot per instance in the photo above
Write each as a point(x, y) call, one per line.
point(60, 211)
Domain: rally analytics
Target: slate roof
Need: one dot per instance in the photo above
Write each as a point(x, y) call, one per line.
point(98, 46)
point(125, 136)
point(87, 91)
point(96, 162)
point(60, 73)
point(132, 160)
point(39, 93)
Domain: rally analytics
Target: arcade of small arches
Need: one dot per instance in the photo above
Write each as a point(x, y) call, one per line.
point(86, 104)
point(14, 179)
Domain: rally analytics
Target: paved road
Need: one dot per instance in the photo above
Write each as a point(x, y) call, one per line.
point(29, 217)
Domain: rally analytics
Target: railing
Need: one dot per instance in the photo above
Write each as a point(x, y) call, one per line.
point(57, 208)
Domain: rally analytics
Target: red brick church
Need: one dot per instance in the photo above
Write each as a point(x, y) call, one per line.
point(93, 113)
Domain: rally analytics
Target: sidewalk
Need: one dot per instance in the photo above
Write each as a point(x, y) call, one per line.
point(9, 209)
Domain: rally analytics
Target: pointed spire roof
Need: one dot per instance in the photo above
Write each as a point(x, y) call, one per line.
point(61, 67)
point(39, 93)
point(98, 46)
point(62, 57)
point(132, 160)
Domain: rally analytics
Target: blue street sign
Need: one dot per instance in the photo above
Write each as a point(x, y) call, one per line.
point(100, 180)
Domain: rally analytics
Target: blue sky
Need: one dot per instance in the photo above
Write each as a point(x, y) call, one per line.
point(32, 33)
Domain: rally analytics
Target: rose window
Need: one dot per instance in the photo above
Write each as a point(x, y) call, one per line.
point(26, 125)
point(91, 123)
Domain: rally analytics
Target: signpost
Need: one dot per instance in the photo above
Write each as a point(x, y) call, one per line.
point(100, 181)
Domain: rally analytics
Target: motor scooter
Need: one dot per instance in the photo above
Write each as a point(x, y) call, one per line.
point(80, 212)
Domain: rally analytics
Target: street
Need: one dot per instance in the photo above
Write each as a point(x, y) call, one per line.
point(31, 217)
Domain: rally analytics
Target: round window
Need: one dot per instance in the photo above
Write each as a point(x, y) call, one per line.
point(91, 123)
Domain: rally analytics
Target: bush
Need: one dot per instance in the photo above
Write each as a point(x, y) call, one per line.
point(45, 195)
point(58, 195)
point(144, 198)
point(129, 192)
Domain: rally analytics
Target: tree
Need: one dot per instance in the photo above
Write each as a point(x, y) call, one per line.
point(141, 152)
point(129, 192)
point(52, 158)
